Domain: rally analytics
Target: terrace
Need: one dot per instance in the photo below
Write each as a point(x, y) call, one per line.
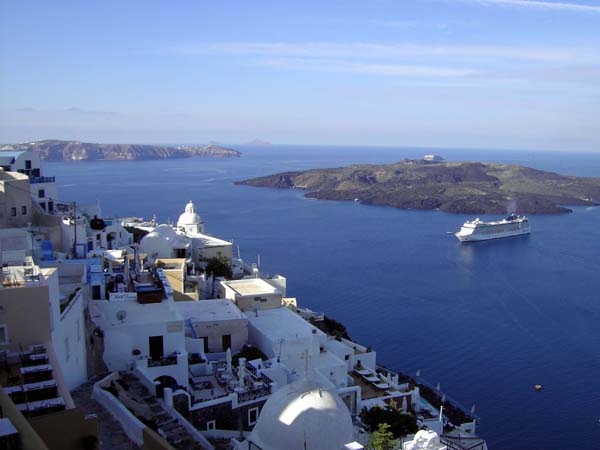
point(224, 381)
point(373, 385)
point(21, 274)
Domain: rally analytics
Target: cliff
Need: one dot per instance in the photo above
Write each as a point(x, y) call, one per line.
point(55, 150)
point(455, 187)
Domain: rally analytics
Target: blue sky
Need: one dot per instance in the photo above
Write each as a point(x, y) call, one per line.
point(450, 73)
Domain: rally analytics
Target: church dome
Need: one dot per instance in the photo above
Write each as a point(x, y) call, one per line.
point(189, 217)
point(161, 242)
point(303, 415)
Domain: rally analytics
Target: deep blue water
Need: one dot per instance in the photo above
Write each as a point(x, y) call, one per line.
point(487, 320)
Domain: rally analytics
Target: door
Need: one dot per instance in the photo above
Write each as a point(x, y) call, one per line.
point(226, 342)
point(156, 347)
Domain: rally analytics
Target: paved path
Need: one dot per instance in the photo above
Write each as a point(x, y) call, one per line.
point(112, 436)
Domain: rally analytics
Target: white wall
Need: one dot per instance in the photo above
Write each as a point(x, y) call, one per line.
point(68, 338)
point(215, 330)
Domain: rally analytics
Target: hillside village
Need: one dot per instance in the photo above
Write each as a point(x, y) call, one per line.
point(130, 333)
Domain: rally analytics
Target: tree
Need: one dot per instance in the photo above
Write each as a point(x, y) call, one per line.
point(382, 439)
point(400, 424)
point(219, 266)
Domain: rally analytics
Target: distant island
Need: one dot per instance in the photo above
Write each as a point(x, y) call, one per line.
point(454, 187)
point(258, 142)
point(56, 150)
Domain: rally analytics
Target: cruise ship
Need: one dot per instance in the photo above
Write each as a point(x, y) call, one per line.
point(478, 230)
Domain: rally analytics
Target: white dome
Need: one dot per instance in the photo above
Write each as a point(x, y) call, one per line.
point(161, 241)
point(303, 415)
point(425, 440)
point(189, 217)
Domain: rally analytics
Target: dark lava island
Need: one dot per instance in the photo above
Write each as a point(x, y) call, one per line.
point(454, 187)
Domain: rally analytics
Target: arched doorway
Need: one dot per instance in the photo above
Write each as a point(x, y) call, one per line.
point(165, 381)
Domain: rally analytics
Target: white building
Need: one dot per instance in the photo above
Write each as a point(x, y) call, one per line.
point(164, 242)
point(42, 187)
point(142, 330)
point(186, 240)
point(203, 246)
point(189, 221)
point(254, 293)
point(219, 323)
point(283, 335)
point(45, 306)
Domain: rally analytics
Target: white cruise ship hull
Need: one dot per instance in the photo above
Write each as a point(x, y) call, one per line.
point(475, 237)
point(478, 230)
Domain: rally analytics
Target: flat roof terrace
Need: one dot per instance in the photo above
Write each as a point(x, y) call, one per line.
point(281, 323)
point(251, 286)
point(209, 310)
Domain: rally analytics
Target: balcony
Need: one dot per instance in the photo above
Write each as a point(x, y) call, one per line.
point(37, 180)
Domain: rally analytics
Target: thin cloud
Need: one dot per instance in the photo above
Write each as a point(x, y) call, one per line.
point(75, 110)
point(409, 24)
point(398, 70)
point(369, 51)
point(539, 4)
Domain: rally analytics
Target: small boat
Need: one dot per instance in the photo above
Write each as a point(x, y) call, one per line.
point(538, 387)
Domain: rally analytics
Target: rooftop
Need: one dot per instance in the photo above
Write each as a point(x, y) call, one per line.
point(8, 157)
point(170, 263)
point(208, 241)
point(11, 176)
point(251, 286)
point(24, 274)
point(208, 310)
point(281, 323)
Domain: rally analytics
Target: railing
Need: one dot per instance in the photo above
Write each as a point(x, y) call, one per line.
point(164, 361)
point(36, 180)
point(254, 372)
point(253, 394)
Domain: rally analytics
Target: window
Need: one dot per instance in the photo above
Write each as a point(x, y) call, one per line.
point(347, 357)
point(252, 416)
point(3, 335)
point(27, 164)
point(211, 425)
point(24, 210)
point(50, 205)
point(13, 212)
point(41, 193)
point(43, 205)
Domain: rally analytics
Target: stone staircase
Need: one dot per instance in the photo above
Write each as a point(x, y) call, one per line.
point(167, 426)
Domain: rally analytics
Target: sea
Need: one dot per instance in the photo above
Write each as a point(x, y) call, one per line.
point(487, 321)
